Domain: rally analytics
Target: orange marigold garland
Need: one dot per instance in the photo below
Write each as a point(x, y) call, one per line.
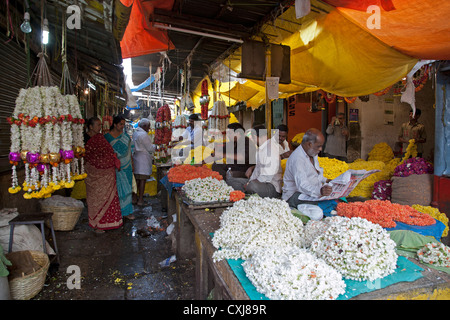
point(384, 213)
point(236, 195)
point(186, 172)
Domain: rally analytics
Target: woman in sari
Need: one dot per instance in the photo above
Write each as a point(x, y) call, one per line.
point(121, 143)
point(101, 189)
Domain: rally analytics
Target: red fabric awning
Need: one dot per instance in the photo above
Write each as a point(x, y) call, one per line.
point(140, 38)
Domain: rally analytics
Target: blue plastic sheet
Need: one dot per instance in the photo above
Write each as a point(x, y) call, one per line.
point(435, 230)
point(169, 185)
point(406, 271)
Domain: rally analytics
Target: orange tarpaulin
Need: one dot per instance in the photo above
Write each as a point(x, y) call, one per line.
point(417, 28)
point(140, 37)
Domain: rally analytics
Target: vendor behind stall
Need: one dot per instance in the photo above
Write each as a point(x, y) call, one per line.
point(265, 179)
point(303, 179)
point(239, 154)
point(281, 138)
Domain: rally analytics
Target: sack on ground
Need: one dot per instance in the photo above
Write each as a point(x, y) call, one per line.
point(413, 189)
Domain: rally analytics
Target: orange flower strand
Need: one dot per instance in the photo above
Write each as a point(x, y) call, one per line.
point(236, 195)
point(384, 213)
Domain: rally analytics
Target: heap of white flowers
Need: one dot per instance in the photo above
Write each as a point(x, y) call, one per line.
point(315, 228)
point(253, 224)
point(435, 253)
point(207, 190)
point(357, 248)
point(293, 273)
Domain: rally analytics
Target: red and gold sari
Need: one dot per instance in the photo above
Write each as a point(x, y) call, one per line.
point(101, 189)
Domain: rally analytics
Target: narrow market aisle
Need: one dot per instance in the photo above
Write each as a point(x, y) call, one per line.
point(118, 265)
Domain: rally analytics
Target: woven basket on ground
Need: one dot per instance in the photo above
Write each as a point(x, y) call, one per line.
point(26, 287)
point(64, 218)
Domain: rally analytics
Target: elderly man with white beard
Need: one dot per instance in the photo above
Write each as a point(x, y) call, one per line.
point(303, 181)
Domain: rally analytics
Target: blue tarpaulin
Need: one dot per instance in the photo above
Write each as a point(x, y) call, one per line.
point(406, 271)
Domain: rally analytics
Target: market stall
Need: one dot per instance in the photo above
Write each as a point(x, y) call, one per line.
point(245, 247)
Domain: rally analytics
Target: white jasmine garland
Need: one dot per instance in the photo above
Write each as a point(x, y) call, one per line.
point(207, 190)
point(435, 253)
point(292, 273)
point(315, 228)
point(253, 224)
point(357, 248)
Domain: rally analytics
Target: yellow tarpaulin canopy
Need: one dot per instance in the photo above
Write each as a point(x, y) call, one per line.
point(328, 52)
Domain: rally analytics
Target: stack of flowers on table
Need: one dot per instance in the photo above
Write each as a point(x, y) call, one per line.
point(384, 213)
point(293, 273)
point(435, 213)
point(207, 190)
point(185, 172)
point(381, 152)
point(413, 166)
point(365, 187)
point(357, 248)
point(47, 135)
point(332, 168)
point(253, 224)
point(435, 253)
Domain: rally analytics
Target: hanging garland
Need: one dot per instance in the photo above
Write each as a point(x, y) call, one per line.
point(383, 92)
point(204, 100)
point(163, 133)
point(350, 99)
point(329, 97)
point(45, 130)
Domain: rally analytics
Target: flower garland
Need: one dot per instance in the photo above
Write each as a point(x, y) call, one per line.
point(315, 228)
point(382, 190)
point(219, 118)
point(384, 213)
point(207, 190)
point(292, 273)
point(41, 136)
point(253, 224)
point(357, 248)
point(411, 151)
point(435, 253)
point(436, 214)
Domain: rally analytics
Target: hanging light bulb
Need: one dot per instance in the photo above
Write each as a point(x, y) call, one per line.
point(45, 32)
point(26, 26)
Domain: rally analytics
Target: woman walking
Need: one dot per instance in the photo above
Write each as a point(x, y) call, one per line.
point(101, 188)
point(121, 143)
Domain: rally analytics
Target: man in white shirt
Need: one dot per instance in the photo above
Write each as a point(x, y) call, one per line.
point(194, 132)
point(281, 138)
point(265, 176)
point(142, 157)
point(303, 181)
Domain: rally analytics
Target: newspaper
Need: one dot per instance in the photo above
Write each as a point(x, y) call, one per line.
point(346, 182)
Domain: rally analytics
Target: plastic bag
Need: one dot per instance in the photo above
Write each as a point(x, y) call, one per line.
point(311, 210)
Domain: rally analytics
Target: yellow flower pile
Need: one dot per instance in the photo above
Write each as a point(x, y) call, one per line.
point(332, 168)
point(435, 213)
point(365, 187)
point(298, 138)
point(381, 152)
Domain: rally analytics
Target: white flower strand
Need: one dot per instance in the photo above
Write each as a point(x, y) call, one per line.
point(253, 224)
point(292, 273)
point(357, 248)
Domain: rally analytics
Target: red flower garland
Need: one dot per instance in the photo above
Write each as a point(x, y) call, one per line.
point(163, 130)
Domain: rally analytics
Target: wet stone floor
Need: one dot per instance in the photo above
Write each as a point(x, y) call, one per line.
point(121, 264)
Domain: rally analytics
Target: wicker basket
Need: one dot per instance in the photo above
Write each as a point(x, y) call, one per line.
point(64, 218)
point(28, 286)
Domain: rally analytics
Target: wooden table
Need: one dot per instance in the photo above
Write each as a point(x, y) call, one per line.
point(194, 228)
point(195, 225)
